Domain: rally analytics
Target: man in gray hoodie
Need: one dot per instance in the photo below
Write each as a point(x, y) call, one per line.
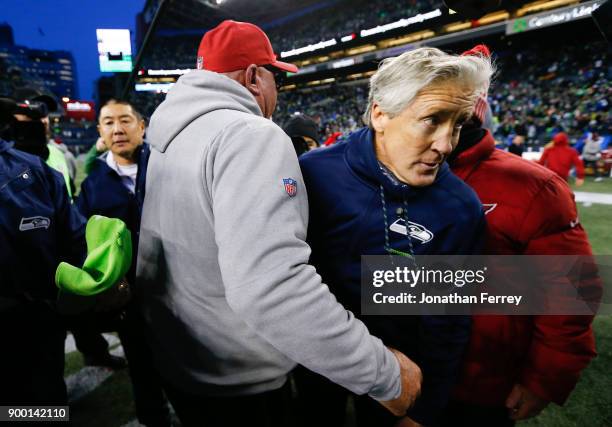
point(223, 277)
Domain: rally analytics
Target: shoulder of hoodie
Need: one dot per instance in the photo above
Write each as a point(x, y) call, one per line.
point(250, 130)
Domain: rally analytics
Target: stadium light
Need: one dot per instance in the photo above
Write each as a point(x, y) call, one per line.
point(218, 2)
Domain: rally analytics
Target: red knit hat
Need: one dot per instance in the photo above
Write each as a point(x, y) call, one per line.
point(480, 110)
point(233, 45)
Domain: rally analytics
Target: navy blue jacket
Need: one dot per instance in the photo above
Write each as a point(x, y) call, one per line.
point(39, 227)
point(103, 193)
point(346, 221)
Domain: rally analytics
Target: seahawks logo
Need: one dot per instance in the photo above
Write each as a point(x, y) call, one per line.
point(34, 222)
point(417, 231)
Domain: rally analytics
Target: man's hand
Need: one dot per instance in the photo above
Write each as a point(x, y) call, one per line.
point(411, 378)
point(579, 182)
point(523, 404)
point(100, 145)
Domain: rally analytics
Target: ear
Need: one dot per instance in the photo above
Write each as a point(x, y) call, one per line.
point(378, 118)
point(141, 125)
point(251, 80)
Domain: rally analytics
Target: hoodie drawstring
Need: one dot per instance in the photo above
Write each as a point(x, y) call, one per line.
point(404, 214)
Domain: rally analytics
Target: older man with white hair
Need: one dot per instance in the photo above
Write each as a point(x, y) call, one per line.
point(380, 192)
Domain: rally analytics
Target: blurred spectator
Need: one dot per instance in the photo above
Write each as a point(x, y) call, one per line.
point(304, 133)
point(517, 145)
point(591, 153)
point(336, 108)
point(57, 157)
point(561, 157)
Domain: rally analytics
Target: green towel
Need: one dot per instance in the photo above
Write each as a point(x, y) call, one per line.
point(109, 256)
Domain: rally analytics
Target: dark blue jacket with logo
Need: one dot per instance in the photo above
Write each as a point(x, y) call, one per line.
point(39, 227)
point(346, 221)
point(103, 193)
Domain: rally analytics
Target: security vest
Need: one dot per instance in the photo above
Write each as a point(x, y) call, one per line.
point(57, 161)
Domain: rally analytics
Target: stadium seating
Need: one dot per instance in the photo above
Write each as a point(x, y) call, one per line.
point(341, 19)
point(540, 88)
point(537, 92)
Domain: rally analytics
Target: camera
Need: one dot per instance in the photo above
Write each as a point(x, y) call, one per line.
point(28, 135)
point(35, 110)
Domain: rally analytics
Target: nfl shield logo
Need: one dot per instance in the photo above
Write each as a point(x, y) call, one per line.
point(290, 186)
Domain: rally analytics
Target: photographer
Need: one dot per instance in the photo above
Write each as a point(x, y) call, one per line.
point(35, 107)
point(57, 156)
point(39, 228)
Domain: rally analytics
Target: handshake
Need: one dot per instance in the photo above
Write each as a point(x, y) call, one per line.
point(411, 379)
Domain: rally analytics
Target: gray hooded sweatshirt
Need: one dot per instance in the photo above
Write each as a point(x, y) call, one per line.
point(230, 301)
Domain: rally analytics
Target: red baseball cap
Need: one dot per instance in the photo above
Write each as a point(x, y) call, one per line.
point(480, 110)
point(233, 45)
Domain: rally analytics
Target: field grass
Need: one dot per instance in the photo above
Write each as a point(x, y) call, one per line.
point(109, 405)
point(597, 220)
point(591, 402)
point(590, 186)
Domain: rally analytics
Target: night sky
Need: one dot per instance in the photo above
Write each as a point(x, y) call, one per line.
point(70, 25)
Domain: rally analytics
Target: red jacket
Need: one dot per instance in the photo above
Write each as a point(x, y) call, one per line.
point(530, 210)
point(561, 157)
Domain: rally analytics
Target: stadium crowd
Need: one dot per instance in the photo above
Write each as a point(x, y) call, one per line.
point(537, 93)
point(343, 18)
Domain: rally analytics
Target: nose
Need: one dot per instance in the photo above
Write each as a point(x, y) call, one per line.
point(445, 141)
point(118, 128)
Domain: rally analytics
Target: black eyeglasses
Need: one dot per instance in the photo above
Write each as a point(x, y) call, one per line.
point(279, 75)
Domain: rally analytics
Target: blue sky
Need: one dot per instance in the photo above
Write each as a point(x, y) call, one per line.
point(69, 25)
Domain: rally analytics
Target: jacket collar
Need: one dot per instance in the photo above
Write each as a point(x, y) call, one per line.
point(4, 145)
point(470, 158)
point(139, 155)
point(361, 157)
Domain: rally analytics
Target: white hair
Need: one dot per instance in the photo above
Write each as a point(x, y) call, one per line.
point(399, 79)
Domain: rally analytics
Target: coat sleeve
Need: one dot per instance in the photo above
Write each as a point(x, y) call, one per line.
point(562, 345)
point(90, 159)
point(260, 208)
point(579, 165)
point(82, 202)
point(70, 223)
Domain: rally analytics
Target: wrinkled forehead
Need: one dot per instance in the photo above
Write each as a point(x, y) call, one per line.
point(449, 95)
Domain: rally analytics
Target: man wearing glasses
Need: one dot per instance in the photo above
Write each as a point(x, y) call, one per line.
point(230, 302)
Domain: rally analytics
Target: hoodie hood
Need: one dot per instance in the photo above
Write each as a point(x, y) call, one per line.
point(561, 139)
point(194, 95)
